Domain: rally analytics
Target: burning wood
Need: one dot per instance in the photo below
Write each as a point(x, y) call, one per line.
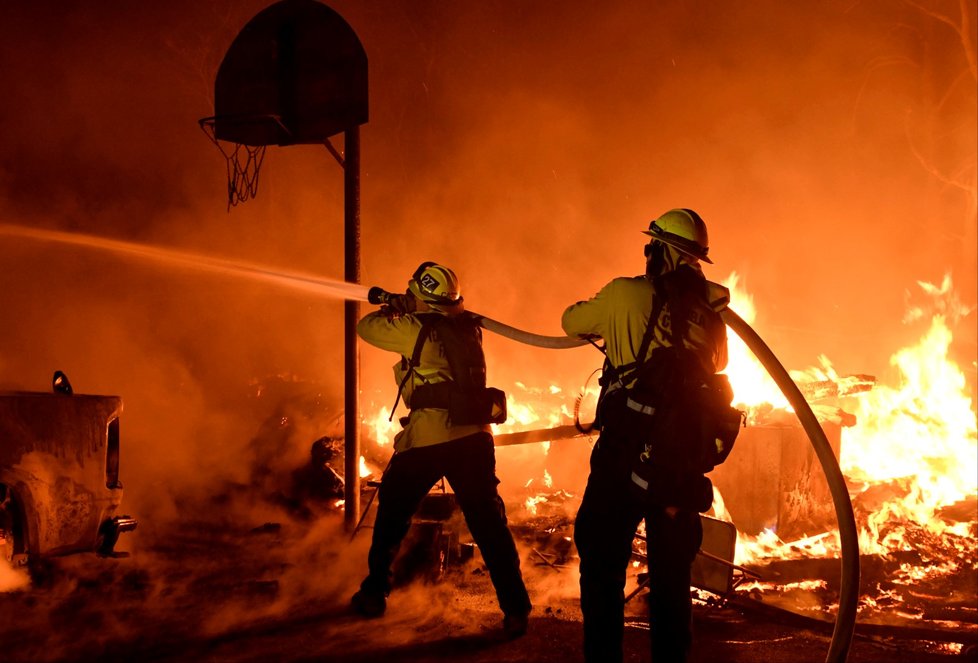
point(849, 385)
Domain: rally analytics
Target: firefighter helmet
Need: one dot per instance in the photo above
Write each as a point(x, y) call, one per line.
point(436, 285)
point(682, 229)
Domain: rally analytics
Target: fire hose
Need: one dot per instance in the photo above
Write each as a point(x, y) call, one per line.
point(845, 621)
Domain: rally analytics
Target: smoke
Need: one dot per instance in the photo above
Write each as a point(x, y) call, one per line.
point(830, 149)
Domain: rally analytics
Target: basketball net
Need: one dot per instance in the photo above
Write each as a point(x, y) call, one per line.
point(243, 164)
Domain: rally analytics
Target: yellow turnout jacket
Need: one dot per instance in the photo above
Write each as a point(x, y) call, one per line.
point(619, 313)
point(426, 426)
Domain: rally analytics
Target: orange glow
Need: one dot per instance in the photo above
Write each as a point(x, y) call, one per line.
point(529, 409)
point(750, 381)
point(384, 427)
point(12, 578)
point(923, 429)
point(531, 503)
point(921, 433)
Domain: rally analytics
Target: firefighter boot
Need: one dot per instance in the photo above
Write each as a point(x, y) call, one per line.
point(514, 625)
point(369, 603)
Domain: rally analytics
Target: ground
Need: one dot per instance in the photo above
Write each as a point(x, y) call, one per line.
point(280, 592)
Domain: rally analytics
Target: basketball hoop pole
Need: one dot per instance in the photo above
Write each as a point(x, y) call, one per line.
point(351, 314)
point(296, 74)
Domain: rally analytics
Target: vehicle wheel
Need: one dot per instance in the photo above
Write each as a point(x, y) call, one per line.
point(13, 547)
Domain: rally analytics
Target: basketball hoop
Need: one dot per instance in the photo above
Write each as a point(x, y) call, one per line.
point(296, 74)
point(243, 161)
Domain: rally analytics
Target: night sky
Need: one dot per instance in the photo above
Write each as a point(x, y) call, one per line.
point(830, 147)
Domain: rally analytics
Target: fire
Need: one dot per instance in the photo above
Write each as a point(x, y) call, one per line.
point(522, 414)
point(750, 381)
point(924, 429)
point(531, 503)
point(364, 470)
point(918, 440)
point(384, 426)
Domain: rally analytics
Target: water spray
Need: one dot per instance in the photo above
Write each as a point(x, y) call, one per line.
point(293, 280)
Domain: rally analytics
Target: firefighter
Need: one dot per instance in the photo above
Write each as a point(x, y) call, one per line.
point(441, 376)
point(610, 513)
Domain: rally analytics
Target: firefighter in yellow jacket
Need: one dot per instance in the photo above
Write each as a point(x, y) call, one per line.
point(442, 378)
point(672, 303)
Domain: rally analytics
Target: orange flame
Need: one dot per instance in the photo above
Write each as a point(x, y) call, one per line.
point(750, 381)
point(923, 431)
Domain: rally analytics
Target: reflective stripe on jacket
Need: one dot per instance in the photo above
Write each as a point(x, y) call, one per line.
point(427, 426)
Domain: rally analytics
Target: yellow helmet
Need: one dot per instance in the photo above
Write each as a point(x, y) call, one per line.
point(436, 285)
point(684, 230)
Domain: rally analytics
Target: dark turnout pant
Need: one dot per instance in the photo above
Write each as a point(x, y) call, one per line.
point(469, 464)
point(603, 533)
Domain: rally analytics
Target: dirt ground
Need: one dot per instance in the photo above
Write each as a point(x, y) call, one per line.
point(280, 592)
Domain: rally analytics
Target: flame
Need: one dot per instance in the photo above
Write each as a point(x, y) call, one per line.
point(364, 470)
point(918, 440)
point(384, 426)
point(531, 503)
point(924, 429)
point(750, 381)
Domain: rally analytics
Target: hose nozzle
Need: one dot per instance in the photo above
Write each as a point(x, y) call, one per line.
point(377, 295)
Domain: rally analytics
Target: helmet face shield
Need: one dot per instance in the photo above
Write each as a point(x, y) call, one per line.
point(436, 285)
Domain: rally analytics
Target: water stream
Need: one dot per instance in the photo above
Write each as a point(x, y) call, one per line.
point(303, 282)
point(316, 285)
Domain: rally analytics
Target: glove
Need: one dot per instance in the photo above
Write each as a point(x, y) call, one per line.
point(398, 305)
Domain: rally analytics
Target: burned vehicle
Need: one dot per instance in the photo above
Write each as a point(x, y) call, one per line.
point(59, 474)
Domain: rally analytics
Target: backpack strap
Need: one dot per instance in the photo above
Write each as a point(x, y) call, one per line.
point(657, 305)
point(426, 326)
point(618, 372)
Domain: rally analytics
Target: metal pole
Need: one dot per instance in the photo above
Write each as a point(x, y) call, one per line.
point(351, 314)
